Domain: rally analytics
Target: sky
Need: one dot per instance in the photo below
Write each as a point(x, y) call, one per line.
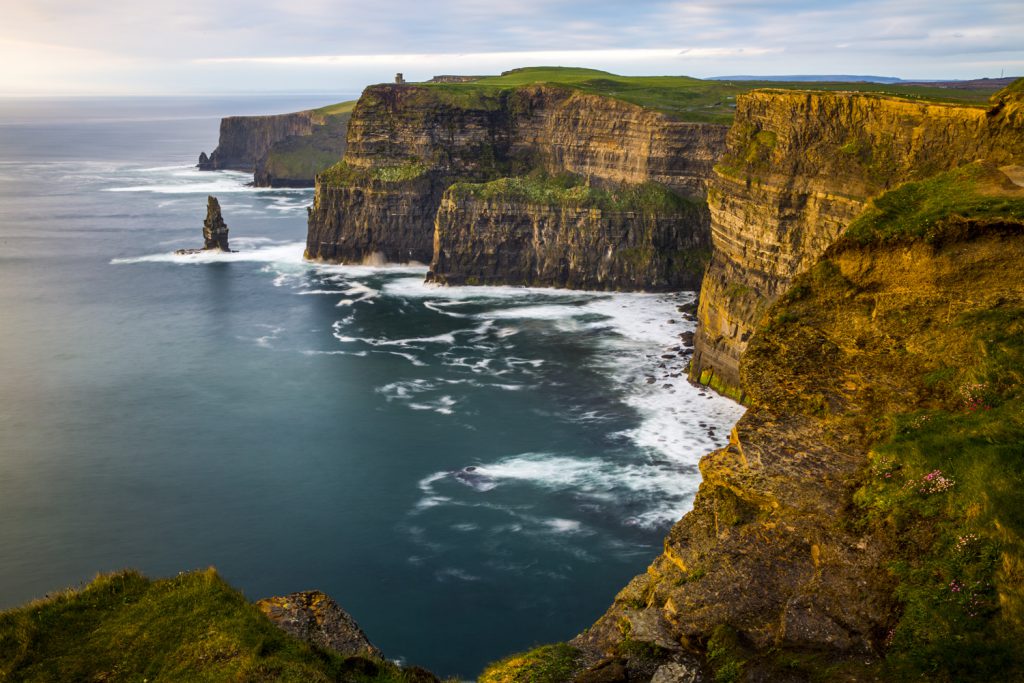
point(136, 47)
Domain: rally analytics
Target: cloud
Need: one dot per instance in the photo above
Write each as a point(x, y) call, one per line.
point(216, 45)
point(491, 58)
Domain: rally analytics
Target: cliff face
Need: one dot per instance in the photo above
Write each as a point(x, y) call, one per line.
point(283, 150)
point(479, 137)
point(481, 241)
point(798, 168)
point(295, 160)
point(246, 139)
point(833, 530)
point(373, 221)
point(613, 141)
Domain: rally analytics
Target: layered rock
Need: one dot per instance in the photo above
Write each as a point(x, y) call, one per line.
point(374, 221)
point(484, 241)
point(776, 556)
point(799, 166)
point(373, 205)
point(315, 618)
point(215, 230)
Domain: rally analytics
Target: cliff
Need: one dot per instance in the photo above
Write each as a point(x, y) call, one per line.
point(863, 523)
point(552, 234)
point(408, 144)
point(797, 169)
point(246, 139)
point(283, 150)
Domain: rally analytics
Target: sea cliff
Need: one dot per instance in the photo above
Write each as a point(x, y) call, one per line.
point(282, 150)
point(403, 191)
point(797, 169)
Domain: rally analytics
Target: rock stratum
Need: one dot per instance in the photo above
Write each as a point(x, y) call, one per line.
point(546, 172)
point(797, 169)
point(282, 150)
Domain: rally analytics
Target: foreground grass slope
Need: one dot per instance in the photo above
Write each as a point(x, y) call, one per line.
point(194, 627)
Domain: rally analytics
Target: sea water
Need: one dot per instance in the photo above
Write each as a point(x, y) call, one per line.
point(468, 471)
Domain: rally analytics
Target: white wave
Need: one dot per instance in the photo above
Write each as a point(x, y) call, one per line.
point(346, 272)
point(313, 352)
point(408, 356)
point(454, 573)
point(267, 340)
point(563, 526)
point(446, 338)
point(443, 405)
point(285, 254)
point(414, 288)
point(205, 182)
point(361, 294)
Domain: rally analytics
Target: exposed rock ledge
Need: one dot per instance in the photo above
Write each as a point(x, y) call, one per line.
point(315, 618)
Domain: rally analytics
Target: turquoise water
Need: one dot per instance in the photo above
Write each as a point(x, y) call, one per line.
point(468, 471)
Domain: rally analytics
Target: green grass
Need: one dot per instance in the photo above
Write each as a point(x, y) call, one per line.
point(339, 108)
point(920, 210)
point(571, 190)
point(682, 97)
point(342, 173)
point(302, 157)
point(949, 486)
point(546, 664)
point(194, 627)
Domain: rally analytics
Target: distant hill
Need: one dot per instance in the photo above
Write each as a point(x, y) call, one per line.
point(971, 84)
point(830, 78)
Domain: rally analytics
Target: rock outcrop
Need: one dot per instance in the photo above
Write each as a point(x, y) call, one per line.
point(284, 150)
point(315, 618)
point(799, 166)
point(407, 145)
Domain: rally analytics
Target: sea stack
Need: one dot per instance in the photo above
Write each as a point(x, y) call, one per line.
point(215, 231)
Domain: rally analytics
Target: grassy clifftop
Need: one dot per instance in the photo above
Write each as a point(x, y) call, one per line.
point(571, 190)
point(194, 627)
point(682, 97)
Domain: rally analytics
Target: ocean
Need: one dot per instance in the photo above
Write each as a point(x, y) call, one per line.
point(468, 471)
